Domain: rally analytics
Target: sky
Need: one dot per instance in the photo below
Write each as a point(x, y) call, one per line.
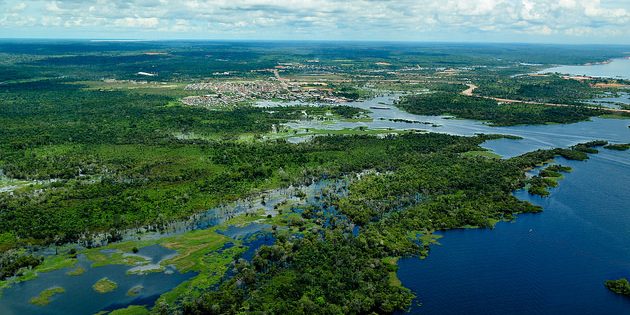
point(542, 21)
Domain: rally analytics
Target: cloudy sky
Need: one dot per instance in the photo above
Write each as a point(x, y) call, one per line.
point(551, 21)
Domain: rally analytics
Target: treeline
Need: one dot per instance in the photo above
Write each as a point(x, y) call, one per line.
point(14, 261)
point(51, 112)
point(333, 273)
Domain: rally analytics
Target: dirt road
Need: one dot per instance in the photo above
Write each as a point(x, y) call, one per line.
point(471, 89)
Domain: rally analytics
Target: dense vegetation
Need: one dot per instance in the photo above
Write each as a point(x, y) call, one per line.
point(12, 261)
point(620, 286)
point(185, 60)
point(113, 159)
point(545, 89)
point(331, 274)
point(51, 112)
point(489, 110)
point(618, 146)
point(81, 157)
point(338, 272)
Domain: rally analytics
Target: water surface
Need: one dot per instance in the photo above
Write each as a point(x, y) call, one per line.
point(80, 297)
point(505, 269)
point(534, 136)
point(549, 263)
point(611, 100)
point(616, 68)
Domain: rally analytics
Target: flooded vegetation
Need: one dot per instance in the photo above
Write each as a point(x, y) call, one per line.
point(158, 195)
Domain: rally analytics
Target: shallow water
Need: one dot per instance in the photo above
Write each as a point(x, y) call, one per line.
point(616, 68)
point(477, 249)
point(80, 298)
point(535, 136)
point(265, 201)
point(611, 100)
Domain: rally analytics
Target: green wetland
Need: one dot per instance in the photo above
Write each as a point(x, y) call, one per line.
point(115, 192)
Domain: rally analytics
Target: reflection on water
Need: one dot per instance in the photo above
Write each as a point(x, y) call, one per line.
point(266, 201)
point(79, 296)
point(153, 278)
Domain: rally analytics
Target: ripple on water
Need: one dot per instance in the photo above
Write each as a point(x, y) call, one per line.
point(550, 263)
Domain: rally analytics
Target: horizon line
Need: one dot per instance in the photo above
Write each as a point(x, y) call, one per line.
point(138, 40)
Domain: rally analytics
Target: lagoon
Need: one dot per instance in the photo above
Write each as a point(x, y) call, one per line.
point(150, 280)
point(79, 296)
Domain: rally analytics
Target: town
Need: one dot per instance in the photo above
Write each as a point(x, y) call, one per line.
point(229, 93)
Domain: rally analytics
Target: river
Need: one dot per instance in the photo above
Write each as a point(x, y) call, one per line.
point(549, 263)
point(546, 263)
point(539, 264)
point(616, 68)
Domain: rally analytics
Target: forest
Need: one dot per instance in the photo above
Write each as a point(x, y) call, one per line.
point(539, 88)
point(82, 157)
point(334, 271)
point(468, 107)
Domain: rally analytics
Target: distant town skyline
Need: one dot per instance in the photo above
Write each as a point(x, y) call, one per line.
point(535, 21)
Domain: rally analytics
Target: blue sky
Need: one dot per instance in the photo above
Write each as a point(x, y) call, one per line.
point(546, 21)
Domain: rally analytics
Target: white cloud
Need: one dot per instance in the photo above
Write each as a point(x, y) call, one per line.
point(19, 7)
point(407, 19)
point(137, 22)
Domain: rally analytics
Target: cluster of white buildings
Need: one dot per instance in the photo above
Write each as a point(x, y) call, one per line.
point(230, 93)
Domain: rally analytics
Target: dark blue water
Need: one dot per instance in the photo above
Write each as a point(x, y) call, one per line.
point(253, 235)
point(549, 263)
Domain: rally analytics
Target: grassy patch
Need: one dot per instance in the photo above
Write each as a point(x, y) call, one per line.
point(100, 258)
point(76, 272)
point(618, 147)
point(134, 291)
point(362, 119)
point(45, 296)
point(56, 262)
point(191, 247)
point(392, 263)
point(211, 267)
point(104, 285)
point(131, 310)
